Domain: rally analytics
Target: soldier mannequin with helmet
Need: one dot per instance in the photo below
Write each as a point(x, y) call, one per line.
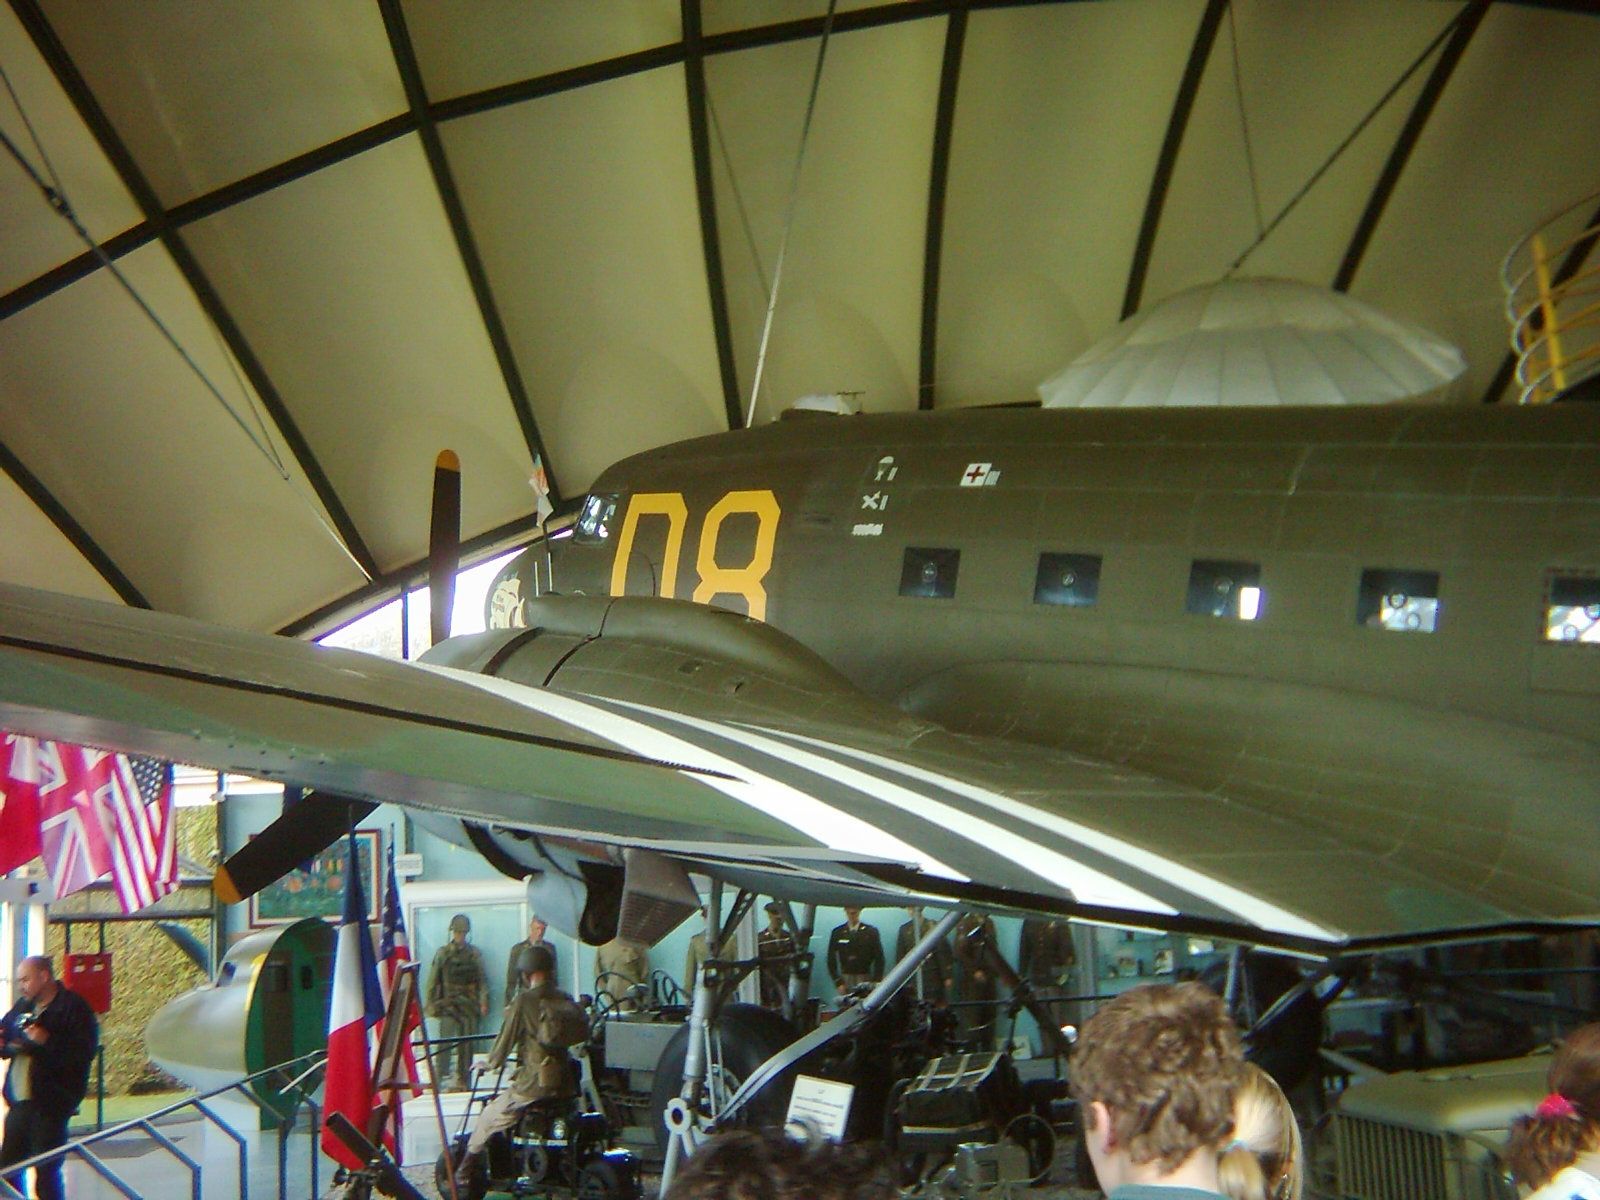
point(457, 997)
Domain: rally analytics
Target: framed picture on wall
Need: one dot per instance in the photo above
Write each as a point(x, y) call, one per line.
point(319, 890)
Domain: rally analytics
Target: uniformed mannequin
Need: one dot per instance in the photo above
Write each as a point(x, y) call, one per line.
point(936, 976)
point(543, 1072)
point(536, 929)
point(1046, 960)
point(699, 951)
point(974, 981)
point(619, 965)
point(458, 997)
point(775, 942)
point(855, 953)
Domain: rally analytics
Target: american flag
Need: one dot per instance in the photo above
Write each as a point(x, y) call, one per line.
point(144, 862)
point(394, 952)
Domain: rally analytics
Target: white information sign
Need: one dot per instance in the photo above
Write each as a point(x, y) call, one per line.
point(821, 1104)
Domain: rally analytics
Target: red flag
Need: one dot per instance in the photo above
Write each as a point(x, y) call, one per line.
point(19, 802)
point(356, 1009)
point(394, 952)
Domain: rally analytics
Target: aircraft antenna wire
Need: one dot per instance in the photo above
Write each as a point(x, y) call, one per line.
point(1360, 126)
point(1244, 123)
point(738, 195)
point(55, 195)
point(788, 220)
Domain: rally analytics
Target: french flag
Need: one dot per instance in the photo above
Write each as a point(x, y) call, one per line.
point(355, 1011)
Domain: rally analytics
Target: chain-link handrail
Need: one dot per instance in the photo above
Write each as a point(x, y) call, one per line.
point(290, 1075)
point(1553, 303)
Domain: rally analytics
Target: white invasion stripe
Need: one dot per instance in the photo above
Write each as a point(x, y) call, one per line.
point(1049, 865)
point(349, 997)
point(1259, 912)
point(777, 799)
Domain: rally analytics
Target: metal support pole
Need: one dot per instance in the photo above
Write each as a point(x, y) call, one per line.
point(694, 1069)
point(171, 1148)
point(238, 1139)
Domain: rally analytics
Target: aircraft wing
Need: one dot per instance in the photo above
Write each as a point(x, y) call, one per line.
point(892, 807)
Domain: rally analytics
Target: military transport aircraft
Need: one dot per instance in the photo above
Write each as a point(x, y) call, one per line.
point(1315, 679)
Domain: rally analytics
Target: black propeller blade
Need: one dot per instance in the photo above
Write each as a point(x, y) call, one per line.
point(444, 543)
point(299, 834)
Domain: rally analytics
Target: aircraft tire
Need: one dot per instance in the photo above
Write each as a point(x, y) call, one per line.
point(1288, 1049)
point(750, 1035)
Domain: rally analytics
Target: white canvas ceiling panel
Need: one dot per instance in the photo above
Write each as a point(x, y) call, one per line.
point(35, 237)
point(34, 553)
point(1515, 136)
point(490, 43)
point(849, 306)
point(1307, 77)
point(349, 287)
point(584, 208)
point(1058, 126)
point(204, 94)
point(103, 411)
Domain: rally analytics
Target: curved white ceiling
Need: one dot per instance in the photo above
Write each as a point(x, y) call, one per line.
point(382, 228)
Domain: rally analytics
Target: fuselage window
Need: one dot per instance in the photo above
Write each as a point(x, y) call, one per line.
point(597, 518)
point(929, 573)
point(1572, 613)
point(1399, 601)
point(1220, 588)
point(1069, 579)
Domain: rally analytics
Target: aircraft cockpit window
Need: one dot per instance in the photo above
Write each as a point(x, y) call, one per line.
point(1218, 588)
point(1068, 579)
point(1572, 613)
point(929, 573)
point(1399, 601)
point(596, 518)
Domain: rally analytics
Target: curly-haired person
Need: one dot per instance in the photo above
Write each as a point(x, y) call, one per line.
point(1556, 1150)
point(1155, 1073)
point(744, 1165)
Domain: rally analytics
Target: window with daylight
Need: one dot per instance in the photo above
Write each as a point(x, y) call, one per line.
point(1072, 580)
point(1572, 610)
point(1221, 588)
point(595, 518)
point(1399, 601)
point(929, 572)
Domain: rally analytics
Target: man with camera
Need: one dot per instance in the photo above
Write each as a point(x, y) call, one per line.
point(49, 1038)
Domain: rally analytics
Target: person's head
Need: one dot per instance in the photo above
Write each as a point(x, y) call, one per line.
point(744, 1165)
point(774, 912)
point(36, 977)
point(853, 915)
point(460, 926)
point(1154, 1072)
point(536, 928)
point(1264, 1161)
point(1567, 1121)
point(536, 963)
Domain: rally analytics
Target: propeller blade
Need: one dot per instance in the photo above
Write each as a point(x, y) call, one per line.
point(444, 543)
point(302, 833)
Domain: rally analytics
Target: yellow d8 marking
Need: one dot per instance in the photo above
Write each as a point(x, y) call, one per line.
point(715, 579)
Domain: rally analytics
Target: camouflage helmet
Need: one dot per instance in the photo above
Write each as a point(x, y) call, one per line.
point(461, 922)
point(536, 960)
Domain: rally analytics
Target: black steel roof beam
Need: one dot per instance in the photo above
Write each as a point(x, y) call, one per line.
point(955, 41)
point(1166, 162)
point(694, 83)
point(110, 142)
point(1570, 266)
point(44, 500)
point(1460, 37)
point(405, 59)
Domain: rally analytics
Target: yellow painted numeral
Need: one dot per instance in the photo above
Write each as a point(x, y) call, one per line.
point(651, 504)
point(717, 580)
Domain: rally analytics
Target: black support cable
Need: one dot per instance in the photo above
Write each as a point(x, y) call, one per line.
point(955, 41)
point(405, 59)
point(694, 82)
point(45, 501)
point(1177, 124)
point(111, 145)
point(1400, 155)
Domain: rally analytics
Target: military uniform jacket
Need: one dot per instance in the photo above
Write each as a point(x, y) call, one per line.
point(775, 975)
point(969, 953)
point(514, 976)
point(938, 969)
point(857, 951)
point(1047, 952)
point(543, 1072)
point(619, 964)
point(458, 985)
